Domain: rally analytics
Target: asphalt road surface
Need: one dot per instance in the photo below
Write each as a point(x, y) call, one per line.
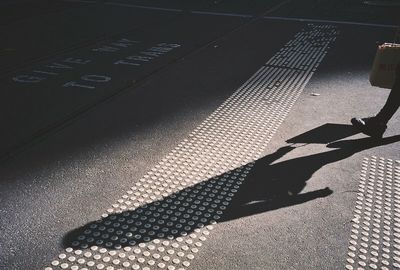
point(195, 135)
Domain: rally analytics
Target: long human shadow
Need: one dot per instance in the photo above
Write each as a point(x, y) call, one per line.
point(267, 186)
point(275, 185)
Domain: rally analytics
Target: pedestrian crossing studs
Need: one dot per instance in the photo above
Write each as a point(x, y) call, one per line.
point(379, 210)
point(164, 218)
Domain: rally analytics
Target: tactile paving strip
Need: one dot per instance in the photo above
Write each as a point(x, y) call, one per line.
point(161, 222)
point(375, 234)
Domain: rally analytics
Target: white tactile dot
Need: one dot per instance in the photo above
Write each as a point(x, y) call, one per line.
point(181, 254)
point(373, 266)
point(87, 254)
point(62, 256)
point(376, 213)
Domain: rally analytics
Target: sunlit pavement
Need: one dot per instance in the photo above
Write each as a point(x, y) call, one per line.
point(195, 135)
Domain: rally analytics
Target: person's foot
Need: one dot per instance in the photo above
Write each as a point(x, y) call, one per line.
point(369, 126)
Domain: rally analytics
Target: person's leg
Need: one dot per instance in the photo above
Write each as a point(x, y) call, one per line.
point(376, 126)
point(392, 102)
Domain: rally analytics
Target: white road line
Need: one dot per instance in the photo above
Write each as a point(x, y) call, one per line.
point(81, 1)
point(222, 14)
point(143, 7)
point(330, 22)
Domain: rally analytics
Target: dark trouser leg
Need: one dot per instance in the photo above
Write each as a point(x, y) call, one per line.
point(392, 102)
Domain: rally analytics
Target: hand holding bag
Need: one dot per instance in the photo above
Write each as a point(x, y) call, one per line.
point(384, 66)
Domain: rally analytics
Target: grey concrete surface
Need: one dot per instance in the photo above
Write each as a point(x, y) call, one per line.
point(91, 152)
